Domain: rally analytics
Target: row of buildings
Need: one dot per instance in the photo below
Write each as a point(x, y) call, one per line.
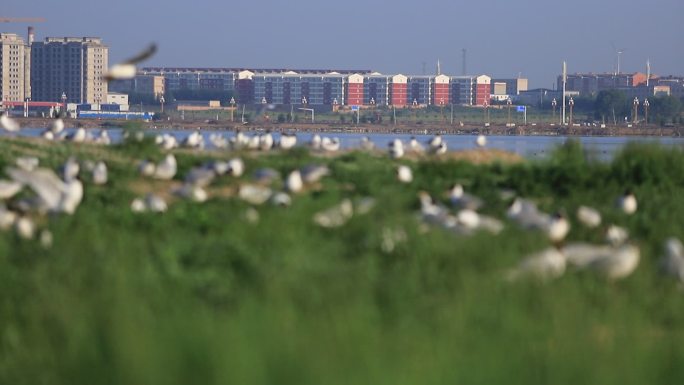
point(71, 69)
point(310, 87)
point(324, 87)
point(640, 85)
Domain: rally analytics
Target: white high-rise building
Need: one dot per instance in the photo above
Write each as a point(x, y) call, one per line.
point(13, 68)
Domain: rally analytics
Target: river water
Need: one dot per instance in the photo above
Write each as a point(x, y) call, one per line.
point(603, 147)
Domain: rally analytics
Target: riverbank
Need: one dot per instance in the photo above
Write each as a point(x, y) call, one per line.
point(401, 128)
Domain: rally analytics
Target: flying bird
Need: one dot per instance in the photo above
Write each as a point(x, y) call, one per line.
point(127, 69)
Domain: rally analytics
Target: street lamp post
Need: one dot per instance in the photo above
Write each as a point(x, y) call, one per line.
point(161, 101)
point(509, 103)
point(232, 108)
point(441, 108)
point(304, 102)
point(485, 111)
point(313, 112)
point(646, 105)
point(635, 115)
point(372, 104)
point(553, 106)
point(263, 108)
point(571, 103)
point(64, 103)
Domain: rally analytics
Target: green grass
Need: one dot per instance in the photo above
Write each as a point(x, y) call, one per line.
point(200, 296)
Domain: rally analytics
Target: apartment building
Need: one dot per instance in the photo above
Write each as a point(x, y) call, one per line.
point(150, 85)
point(591, 84)
point(13, 68)
point(70, 66)
point(509, 87)
point(376, 89)
point(294, 88)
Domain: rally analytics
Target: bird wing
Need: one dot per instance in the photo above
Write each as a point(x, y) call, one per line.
point(144, 55)
point(43, 182)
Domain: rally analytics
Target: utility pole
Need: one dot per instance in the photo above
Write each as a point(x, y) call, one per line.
point(509, 102)
point(565, 79)
point(452, 114)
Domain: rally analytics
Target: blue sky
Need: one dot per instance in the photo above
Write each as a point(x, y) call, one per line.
point(502, 37)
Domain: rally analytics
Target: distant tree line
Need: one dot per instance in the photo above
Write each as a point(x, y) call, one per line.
point(613, 106)
point(610, 105)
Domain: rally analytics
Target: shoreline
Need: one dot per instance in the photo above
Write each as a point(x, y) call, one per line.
point(408, 129)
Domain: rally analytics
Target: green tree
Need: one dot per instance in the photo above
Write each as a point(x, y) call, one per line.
point(610, 103)
point(666, 108)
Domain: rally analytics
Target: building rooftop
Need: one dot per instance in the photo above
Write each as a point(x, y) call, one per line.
point(254, 70)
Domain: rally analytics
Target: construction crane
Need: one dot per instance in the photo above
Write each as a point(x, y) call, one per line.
point(22, 19)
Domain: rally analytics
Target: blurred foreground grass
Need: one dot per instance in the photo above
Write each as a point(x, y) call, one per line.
point(199, 295)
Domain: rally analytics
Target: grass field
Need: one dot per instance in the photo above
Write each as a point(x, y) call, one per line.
point(200, 295)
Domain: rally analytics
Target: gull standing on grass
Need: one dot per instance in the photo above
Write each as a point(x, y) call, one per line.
point(266, 141)
point(544, 265)
point(481, 141)
point(627, 202)
point(367, 144)
point(8, 124)
point(236, 167)
point(27, 163)
point(100, 173)
point(620, 263)
point(55, 195)
point(616, 235)
point(415, 146)
point(7, 217)
point(396, 149)
point(330, 144)
point(588, 216)
point(78, 136)
point(294, 182)
point(151, 202)
point(287, 141)
point(164, 170)
point(313, 173)
point(70, 168)
point(315, 142)
point(9, 188)
point(672, 262)
point(404, 174)
point(459, 198)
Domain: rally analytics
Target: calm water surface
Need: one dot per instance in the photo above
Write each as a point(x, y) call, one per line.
point(527, 146)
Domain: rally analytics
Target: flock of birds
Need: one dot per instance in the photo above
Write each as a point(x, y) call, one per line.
point(62, 193)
